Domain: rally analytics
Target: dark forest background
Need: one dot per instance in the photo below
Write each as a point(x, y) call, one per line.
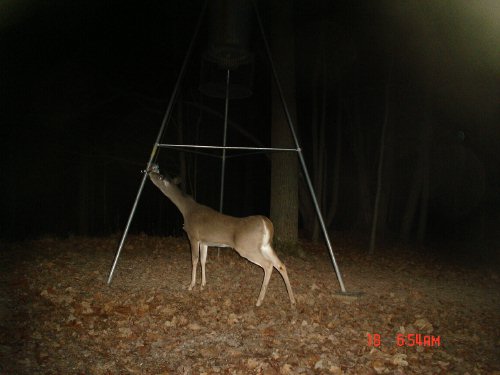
point(84, 86)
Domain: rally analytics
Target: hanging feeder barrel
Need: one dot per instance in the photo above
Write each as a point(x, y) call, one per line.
point(228, 48)
point(213, 84)
point(229, 33)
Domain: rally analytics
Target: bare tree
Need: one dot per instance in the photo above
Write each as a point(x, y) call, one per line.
point(284, 166)
point(418, 198)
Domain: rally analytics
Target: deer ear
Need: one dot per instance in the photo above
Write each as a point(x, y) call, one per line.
point(176, 180)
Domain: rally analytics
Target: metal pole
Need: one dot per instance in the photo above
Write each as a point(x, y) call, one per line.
point(223, 166)
point(299, 150)
point(127, 227)
point(166, 117)
point(171, 145)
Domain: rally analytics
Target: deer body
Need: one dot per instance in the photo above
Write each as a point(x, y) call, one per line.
point(250, 236)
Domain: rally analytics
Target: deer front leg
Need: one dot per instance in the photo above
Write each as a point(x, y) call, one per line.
point(203, 251)
point(195, 253)
point(268, 270)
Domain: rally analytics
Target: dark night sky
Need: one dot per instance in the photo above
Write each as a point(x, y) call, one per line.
point(87, 80)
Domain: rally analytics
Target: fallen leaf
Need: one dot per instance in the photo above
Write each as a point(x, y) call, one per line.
point(378, 366)
point(424, 325)
point(125, 331)
point(252, 363)
point(194, 326)
point(286, 369)
point(399, 359)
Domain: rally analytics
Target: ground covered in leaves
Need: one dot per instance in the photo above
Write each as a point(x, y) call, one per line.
point(418, 315)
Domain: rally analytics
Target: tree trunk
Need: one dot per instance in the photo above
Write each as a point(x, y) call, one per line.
point(419, 187)
point(380, 202)
point(319, 149)
point(284, 177)
point(317, 170)
point(84, 189)
point(424, 201)
point(180, 140)
point(387, 186)
point(338, 155)
point(365, 206)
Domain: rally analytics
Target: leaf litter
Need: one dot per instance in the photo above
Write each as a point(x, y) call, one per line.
point(58, 315)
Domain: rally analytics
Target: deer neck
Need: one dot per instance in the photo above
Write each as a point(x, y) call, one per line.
point(183, 202)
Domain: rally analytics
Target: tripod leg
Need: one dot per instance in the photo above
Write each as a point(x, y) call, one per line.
point(127, 227)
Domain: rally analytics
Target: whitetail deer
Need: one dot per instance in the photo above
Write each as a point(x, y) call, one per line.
point(250, 236)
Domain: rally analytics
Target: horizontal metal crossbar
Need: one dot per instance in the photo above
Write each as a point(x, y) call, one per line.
point(217, 156)
point(169, 145)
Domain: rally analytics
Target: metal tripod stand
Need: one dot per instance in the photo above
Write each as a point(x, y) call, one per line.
point(297, 148)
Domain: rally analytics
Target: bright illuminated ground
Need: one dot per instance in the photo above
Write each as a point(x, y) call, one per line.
point(57, 315)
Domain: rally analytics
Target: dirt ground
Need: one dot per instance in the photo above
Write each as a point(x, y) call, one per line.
point(418, 315)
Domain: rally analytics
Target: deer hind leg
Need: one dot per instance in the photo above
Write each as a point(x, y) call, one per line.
point(278, 264)
point(268, 270)
point(203, 258)
point(282, 270)
point(195, 254)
